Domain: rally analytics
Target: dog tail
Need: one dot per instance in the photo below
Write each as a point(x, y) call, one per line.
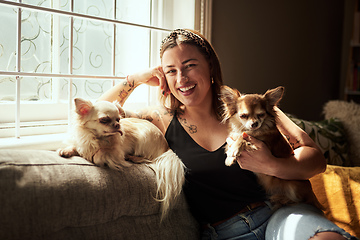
point(170, 177)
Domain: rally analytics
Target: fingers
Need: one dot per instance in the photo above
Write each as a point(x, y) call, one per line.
point(159, 74)
point(234, 136)
point(250, 139)
point(164, 86)
point(156, 76)
point(151, 77)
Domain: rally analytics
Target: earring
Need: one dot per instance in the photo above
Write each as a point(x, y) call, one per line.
point(212, 80)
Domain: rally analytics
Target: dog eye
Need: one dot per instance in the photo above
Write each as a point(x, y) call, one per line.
point(244, 116)
point(105, 120)
point(117, 119)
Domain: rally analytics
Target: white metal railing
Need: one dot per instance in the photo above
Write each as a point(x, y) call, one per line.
point(71, 74)
point(71, 14)
point(80, 15)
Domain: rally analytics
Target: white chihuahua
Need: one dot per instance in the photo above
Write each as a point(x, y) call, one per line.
point(102, 137)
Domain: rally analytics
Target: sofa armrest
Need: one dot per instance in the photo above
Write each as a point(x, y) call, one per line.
point(42, 194)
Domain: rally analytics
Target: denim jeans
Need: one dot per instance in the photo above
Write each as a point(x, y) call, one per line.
point(250, 226)
point(298, 222)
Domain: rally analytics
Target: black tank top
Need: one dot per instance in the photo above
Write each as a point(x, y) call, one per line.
point(214, 191)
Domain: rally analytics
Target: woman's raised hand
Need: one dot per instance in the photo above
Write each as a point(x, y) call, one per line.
point(152, 76)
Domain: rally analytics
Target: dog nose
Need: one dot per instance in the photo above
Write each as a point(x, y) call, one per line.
point(255, 125)
point(116, 125)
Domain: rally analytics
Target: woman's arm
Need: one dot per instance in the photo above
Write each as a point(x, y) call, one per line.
point(120, 92)
point(306, 162)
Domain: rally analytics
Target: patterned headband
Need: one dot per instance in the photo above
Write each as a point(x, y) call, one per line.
point(190, 36)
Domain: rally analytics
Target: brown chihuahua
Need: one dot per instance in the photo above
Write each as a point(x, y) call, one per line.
point(254, 114)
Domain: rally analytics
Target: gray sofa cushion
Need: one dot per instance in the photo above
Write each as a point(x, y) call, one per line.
point(44, 196)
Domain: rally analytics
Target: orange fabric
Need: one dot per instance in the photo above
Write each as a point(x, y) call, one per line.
point(338, 190)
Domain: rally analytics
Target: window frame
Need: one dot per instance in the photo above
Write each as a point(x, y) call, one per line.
point(54, 130)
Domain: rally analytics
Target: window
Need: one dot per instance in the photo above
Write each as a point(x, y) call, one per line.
point(52, 51)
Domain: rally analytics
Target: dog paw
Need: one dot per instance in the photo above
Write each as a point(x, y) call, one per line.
point(62, 153)
point(67, 152)
point(230, 161)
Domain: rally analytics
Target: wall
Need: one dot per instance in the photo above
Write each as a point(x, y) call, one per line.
point(297, 44)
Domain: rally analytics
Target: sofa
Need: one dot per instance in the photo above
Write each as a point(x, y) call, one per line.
point(44, 196)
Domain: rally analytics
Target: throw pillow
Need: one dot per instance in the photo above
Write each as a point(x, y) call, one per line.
point(349, 114)
point(330, 136)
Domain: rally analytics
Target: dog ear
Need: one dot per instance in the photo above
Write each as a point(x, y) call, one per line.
point(229, 97)
point(83, 107)
point(121, 110)
point(273, 96)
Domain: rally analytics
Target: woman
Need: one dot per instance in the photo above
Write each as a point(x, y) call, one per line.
point(227, 201)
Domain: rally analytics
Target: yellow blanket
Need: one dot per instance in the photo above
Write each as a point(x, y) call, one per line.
point(338, 190)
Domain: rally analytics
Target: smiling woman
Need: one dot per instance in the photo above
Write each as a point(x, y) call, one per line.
point(187, 73)
point(205, 52)
point(53, 51)
point(228, 202)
